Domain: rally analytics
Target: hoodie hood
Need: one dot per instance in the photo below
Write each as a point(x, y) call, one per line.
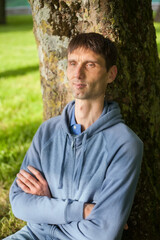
point(110, 116)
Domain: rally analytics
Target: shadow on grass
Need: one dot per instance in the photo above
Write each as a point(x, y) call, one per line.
point(12, 29)
point(17, 23)
point(19, 71)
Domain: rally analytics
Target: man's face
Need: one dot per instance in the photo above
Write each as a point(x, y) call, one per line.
point(87, 74)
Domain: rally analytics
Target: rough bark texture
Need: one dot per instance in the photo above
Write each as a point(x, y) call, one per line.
point(2, 12)
point(130, 25)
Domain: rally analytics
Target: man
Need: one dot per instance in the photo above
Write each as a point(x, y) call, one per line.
point(79, 177)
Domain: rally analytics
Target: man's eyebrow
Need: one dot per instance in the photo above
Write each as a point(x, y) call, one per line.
point(89, 60)
point(71, 60)
point(92, 61)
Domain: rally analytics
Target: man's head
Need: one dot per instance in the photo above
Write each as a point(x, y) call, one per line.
point(91, 65)
point(98, 44)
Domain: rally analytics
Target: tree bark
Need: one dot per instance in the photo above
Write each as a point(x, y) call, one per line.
point(137, 87)
point(2, 12)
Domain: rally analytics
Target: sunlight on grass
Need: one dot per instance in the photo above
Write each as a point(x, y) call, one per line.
point(20, 107)
point(18, 48)
point(20, 95)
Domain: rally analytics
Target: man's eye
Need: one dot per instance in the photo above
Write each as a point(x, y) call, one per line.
point(91, 65)
point(72, 63)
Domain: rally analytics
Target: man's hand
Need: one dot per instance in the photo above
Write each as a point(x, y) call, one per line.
point(126, 226)
point(34, 185)
point(87, 209)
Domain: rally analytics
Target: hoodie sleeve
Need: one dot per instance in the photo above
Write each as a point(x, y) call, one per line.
point(42, 209)
point(108, 217)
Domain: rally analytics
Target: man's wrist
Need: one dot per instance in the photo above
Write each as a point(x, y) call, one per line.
point(74, 211)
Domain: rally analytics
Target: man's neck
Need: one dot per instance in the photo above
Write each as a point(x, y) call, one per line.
point(88, 111)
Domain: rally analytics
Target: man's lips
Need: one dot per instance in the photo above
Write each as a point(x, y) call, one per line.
point(79, 85)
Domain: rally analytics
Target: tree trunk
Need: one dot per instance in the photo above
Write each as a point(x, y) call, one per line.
point(130, 25)
point(2, 12)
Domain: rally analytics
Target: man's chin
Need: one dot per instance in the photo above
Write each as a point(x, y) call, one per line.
point(80, 96)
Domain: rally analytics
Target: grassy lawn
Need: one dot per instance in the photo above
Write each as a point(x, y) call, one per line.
point(20, 106)
point(157, 27)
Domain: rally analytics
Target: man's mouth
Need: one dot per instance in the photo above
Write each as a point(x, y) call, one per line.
point(79, 85)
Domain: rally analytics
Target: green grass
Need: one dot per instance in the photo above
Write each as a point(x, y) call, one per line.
point(157, 27)
point(20, 106)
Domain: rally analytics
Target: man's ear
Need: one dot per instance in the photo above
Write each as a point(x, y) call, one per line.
point(112, 73)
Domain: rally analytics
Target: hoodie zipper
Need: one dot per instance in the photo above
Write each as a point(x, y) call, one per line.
point(73, 143)
point(74, 157)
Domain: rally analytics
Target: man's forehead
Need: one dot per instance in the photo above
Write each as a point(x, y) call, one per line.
point(80, 49)
point(81, 52)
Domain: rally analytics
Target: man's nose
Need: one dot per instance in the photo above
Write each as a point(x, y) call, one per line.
point(79, 72)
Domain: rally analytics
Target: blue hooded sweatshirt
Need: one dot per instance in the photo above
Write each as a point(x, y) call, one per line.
point(101, 166)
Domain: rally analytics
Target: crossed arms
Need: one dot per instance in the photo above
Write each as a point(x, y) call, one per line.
point(38, 186)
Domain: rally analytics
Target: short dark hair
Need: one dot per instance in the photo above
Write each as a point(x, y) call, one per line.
point(98, 44)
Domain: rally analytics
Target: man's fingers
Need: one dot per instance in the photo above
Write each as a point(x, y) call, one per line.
point(35, 185)
point(23, 186)
point(27, 179)
point(36, 173)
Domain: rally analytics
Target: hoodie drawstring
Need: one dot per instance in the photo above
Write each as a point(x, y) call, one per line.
point(79, 166)
point(60, 185)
